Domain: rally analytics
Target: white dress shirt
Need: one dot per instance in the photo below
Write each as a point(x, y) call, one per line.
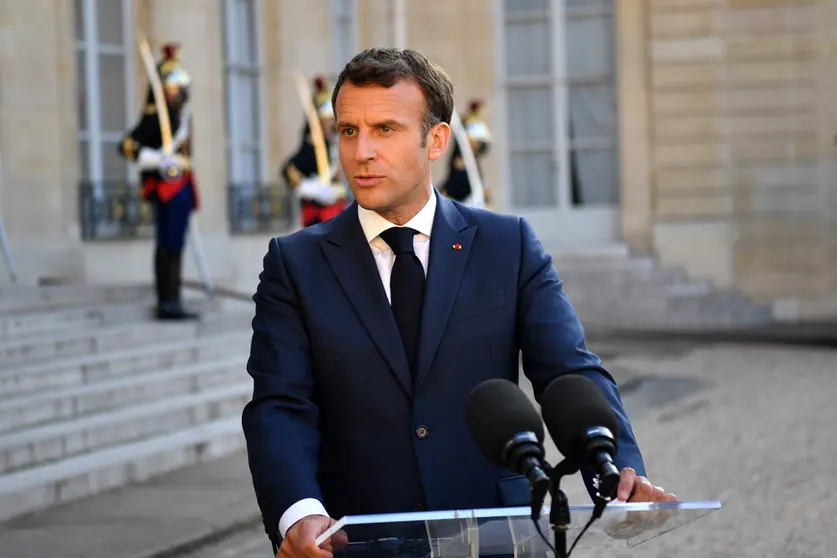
point(373, 225)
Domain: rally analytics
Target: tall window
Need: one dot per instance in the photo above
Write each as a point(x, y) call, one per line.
point(560, 82)
point(245, 141)
point(104, 77)
point(344, 42)
point(593, 130)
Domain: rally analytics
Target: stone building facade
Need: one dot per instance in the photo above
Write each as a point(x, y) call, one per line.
point(699, 131)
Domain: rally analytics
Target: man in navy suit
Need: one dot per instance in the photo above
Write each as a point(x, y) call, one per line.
point(371, 329)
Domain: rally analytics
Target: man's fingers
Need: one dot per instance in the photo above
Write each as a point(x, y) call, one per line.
point(659, 495)
point(643, 490)
point(339, 540)
point(312, 551)
point(626, 484)
point(671, 497)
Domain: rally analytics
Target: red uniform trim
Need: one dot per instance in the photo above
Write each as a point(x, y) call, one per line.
point(313, 213)
point(167, 189)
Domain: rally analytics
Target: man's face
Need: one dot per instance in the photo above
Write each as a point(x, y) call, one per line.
point(380, 138)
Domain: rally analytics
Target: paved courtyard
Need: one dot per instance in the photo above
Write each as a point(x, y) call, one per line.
point(750, 426)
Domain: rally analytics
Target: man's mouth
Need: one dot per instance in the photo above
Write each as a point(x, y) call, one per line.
point(366, 180)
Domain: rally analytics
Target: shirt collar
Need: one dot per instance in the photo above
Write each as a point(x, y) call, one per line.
point(373, 224)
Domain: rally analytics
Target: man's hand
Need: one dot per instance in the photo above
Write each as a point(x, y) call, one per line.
point(633, 488)
point(300, 539)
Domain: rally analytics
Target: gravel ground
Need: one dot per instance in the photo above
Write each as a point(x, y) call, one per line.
point(759, 435)
point(754, 427)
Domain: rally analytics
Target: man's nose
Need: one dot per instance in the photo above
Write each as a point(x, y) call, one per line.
point(364, 148)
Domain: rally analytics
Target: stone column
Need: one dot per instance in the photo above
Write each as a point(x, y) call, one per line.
point(38, 140)
point(635, 149)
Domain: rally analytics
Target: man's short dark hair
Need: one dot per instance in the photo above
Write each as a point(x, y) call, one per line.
point(388, 66)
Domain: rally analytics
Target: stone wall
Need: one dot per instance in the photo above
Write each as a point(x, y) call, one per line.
point(38, 197)
point(740, 138)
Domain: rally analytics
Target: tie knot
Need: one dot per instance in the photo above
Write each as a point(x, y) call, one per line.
point(400, 239)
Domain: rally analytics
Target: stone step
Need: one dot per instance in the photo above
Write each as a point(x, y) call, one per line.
point(67, 344)
point(22, 298)
point(38, 446)
point(53, 321)
point(601, 280)
point(114, 393)
point(74, 372)
point(581, 264)
point(77, 477)
point(658, 318)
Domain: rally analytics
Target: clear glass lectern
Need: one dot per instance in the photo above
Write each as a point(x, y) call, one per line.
point(507, 531)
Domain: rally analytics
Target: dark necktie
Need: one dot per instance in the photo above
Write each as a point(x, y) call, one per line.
point(406, 289)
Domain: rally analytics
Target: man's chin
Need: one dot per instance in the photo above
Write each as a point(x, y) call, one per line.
point(370, 199)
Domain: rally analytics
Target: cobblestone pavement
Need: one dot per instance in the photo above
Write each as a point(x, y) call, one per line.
point(751, 426)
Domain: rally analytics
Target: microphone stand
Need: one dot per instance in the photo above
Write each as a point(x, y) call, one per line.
point(559, 513)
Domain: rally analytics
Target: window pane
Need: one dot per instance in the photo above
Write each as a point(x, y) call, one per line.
point(243, 104)
point(249, 165)
point(114, 166)
point(112, 92)
point(78, 19)
point(342, 28)
point(593, 112)
point(590, 46)
point(109, 16)
point(242, 107)
point(254, 109)
point(594, 176)
point(245, 165)
point(245, 32)
point(533, 182)
point(531, 112)
point(528, 48)
point(523, 5)
point(81, 89)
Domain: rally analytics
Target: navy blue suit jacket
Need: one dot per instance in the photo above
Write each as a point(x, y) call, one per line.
point(335, 414)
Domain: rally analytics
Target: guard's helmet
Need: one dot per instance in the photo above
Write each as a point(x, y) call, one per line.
point(475, 127)
point(322, 98)
point(176, 80)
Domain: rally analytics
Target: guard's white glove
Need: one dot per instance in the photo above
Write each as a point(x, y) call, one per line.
point(312, 189)
point(149, 159)
point(170, 166)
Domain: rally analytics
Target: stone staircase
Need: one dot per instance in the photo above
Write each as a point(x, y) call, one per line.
point(94, 395)
point(612, 288)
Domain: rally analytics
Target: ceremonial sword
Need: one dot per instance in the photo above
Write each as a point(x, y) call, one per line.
point(477, 196)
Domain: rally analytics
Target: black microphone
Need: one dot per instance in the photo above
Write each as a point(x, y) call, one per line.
point(506, 427)
point(584, 427)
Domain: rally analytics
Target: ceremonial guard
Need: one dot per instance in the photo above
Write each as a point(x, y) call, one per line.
point(457, 186)
point(320, 201)
point(167, 180)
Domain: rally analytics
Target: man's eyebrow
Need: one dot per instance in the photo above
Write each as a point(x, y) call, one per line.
point(387, 122)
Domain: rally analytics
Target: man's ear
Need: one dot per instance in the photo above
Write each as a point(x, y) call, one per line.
point(439, 137)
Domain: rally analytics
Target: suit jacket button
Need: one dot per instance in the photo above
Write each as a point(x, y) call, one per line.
point(419, 507)
point(422, 432)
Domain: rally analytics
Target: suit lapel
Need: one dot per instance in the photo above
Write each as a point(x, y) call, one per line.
point(348, 253)
point(450, 245)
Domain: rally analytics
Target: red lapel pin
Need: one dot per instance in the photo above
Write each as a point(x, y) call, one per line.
point(457, 247)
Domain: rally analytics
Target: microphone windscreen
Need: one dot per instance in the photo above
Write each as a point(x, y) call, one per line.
point(570, 405)
point(496, 411)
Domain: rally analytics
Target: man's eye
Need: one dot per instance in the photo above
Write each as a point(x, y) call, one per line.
point(348, 132)
point(386, 129)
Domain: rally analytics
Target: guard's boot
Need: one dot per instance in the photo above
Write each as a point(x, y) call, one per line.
point(161, 277)
point(174, 308)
